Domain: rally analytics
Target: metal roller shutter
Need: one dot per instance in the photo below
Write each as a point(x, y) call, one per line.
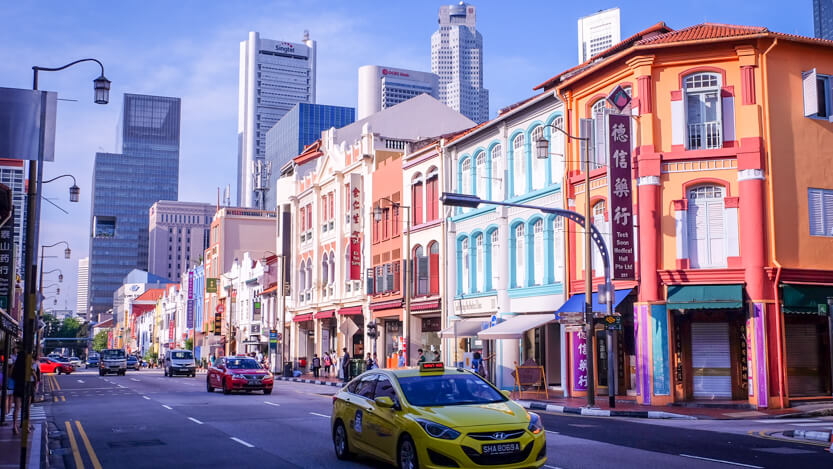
point(710, 360)
point(803, 365)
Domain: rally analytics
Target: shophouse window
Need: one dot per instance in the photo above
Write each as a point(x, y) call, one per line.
point(432, 196)
point(325, 269)
point(497, 172)
point(558, 248)
point(482, 177)
point(539, 165)
point(416, 199)
point(464, 249)
point(519, 164)
point(520, 256)
point(600, 156)
point(703, 116)
point(600, 224)
point(557, 150)
point(465, 175)
point(494, 257)
point(479, 263)
point(820, 202)
point(817, 95)
point(706, 231)
point(434, 268)
point(539, 260)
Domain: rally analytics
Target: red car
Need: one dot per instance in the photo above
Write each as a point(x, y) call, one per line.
point(48, 365)
point(238, 374)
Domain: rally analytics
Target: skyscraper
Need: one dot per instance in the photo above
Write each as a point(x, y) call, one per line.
point(382, 87)
point(297, 129)
point(274, 77)
point(823, 18)
point(457, 58)
point(125, 185)
point(178, 235)
point(597, 32)
point(82, 300)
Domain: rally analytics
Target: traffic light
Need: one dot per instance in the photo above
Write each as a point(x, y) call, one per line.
point(218, 323)
point(372, 332)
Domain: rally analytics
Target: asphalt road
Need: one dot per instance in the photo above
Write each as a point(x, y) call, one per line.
point(144, 420)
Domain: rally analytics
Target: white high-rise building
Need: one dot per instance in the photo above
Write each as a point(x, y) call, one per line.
point(457, 58)
point(597, 32)
point(274, 77)
point(81, 296)
point(382, 87)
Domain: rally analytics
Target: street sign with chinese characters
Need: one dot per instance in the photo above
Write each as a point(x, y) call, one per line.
point(570, 318)
point(355, 212)
point(7, 264)
point(620, 194)
point(580, 361)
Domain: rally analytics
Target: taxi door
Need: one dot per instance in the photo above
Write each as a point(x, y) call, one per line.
point(380, 421)
point(215, 373)
point(359, 405)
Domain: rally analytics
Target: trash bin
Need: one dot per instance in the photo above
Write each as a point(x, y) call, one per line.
point(287, 369)
point(357, 367)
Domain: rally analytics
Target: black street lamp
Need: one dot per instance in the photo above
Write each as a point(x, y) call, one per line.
point(74, 190)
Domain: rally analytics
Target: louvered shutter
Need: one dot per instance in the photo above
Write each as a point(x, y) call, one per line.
point(417, 204)
point(600, 141)
point(539, 261)
point(717, 234)
point(397, 277)
point(811, 101)
point(815, 203)
point(586, 148)
point(380, 280)
point(370, 282)
point(698, 233)
point(389, 277)
point(422, 275)
point(434, 274)
point(827, 212)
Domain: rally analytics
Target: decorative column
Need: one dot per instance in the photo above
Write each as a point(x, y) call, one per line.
point(507, 350)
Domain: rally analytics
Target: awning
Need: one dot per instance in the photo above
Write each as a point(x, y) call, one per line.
point(325, 314)
point(465, 328)
point(576, 302)
point(805, 299)
point(350, 311)
point(516, 326)
point(302, 317)
point(269, 290)
point(705, 296)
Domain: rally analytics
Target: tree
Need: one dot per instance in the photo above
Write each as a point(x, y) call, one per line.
point(189, 344)
point(100, 341)
point(69, 328)
point(52, 325)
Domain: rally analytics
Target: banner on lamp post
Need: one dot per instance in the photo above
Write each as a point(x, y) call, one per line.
point(620, 195)
point(355, 211)
point(189, 312)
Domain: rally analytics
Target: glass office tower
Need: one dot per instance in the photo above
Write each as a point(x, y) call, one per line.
point(125, 185)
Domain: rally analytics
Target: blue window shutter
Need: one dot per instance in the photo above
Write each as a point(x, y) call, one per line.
point(814, 202)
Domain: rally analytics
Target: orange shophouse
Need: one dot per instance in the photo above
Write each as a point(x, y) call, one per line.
point(733, 203)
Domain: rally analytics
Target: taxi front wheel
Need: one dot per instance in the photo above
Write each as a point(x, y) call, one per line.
point(407, 454)
point(340, 441)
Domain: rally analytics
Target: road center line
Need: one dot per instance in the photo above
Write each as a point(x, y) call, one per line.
point(146, 397)
point(271, 403)
point(81, 381)
point(79, 463)
point(553, 432)
point(123, 387)
point(552, 467)
point(167, 407)
point(320, 415)
point(721, 461)
point(194, 420)
point(248, 445)
point(134, 379)
point(90, 451)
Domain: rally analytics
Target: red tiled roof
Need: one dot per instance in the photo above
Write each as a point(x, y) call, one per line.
point(151, 295)
point(703, 31)
point(309, 153)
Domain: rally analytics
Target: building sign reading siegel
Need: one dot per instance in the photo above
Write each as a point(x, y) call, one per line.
point(355, 211)
point(621, 250)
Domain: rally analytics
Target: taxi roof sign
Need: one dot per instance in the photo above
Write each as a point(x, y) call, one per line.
point(431, 366)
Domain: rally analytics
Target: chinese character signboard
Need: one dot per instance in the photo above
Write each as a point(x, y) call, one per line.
point(580, 361)
point(355, 211)
point(621, 250)
point(189, 315)
point(7, 264)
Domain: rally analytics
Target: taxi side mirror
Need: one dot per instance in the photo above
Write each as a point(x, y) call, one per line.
point(506, 393)
point(385, 402)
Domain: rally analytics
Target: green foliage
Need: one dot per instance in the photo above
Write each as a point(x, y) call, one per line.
point(150, 356)
point(100, 341)
point(189, 344)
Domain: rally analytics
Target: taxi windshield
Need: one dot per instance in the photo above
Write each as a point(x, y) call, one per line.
point(242, 363)
point(442, 390)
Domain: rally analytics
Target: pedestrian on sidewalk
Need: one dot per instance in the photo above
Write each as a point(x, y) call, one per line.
point(422, 358)
point(316, 365)
point(375, 361)
point(19, 375)
point(369, 362)
point(400, 363)
point(328, 362)
point(345, 365)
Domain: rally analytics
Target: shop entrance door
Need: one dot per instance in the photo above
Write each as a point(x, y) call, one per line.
point(710, 360)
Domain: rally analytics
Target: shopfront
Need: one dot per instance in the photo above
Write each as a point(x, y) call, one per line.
point(539, 340)
point(388, 318)
point(426, 324)
point(327, 335)
point(351, 328)
point(807, 339)
point(709, 342)
point(305, 333)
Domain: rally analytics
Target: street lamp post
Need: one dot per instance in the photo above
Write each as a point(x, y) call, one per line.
point(377, 215)
point(60, 275)
point(74, 190)
point(101, 86)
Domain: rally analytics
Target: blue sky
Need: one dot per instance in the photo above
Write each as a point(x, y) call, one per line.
point(190, 49)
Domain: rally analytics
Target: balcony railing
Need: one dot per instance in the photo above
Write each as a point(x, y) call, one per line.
point(705, 136)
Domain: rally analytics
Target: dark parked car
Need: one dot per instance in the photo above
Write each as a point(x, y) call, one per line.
point(132, 362)
point(92, 360)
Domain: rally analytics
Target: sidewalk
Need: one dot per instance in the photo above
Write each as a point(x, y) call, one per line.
point(10, 446)
point(308, 378)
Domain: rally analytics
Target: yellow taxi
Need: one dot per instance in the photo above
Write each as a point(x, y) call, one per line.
point(433, 417)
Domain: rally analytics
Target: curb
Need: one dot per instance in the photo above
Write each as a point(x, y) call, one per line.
point(823, 437)
point(311, 381)
point(595, 412)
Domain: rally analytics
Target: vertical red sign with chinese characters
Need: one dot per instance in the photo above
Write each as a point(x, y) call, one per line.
point(355, 227)
point(620, 187)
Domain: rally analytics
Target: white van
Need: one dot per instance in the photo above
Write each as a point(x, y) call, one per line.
point(180, 362)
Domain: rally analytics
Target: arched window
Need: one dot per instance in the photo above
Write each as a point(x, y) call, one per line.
point(600, 151)
point(558, 248)
point(464, 249)
point(432, 195)
point(465, 175)
point(479, 258)
point(539, 165)
point(417, 199)
point(332, 267)
point(557, 150)
point(519, 164)
point(520, 256)
point(600, 223)
point(482, 175)
point(539, 260)
point(434, 268)
point(703, 116)
point(706, 232)
point(302, 278)
point(420, 280)
point(497, 172)
point(309, 274)
point(495, 258)
point(325, 270)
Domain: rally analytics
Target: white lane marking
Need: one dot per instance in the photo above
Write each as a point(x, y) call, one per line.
point(248, 445)
point(134, 379)
point(271, 403)
point(553, 432)
point(81, 381)
point(194, 420)
point(721, 461)
point(167, 407)
point(817, 424)
point(320, 415)
point(123, 387)
point(146, 397)
point(786, 420)
point(552, 467)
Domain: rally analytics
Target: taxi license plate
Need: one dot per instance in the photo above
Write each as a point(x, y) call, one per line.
point(502, 448)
